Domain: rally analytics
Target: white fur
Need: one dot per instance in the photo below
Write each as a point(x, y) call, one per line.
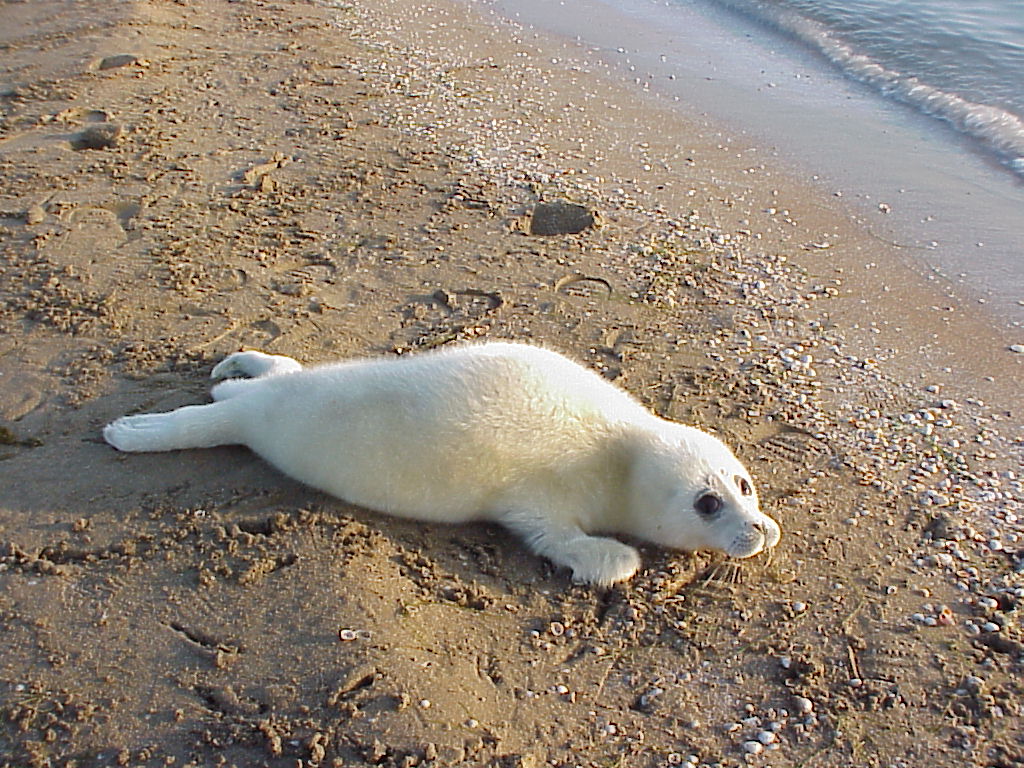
point(505, 432)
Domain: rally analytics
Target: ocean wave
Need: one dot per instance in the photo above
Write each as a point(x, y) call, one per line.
point(997, 129)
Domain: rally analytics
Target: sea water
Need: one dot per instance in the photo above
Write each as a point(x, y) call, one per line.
point(910, 109)
point(961, 62)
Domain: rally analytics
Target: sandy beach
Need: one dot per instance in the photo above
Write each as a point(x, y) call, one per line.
point(322, 180)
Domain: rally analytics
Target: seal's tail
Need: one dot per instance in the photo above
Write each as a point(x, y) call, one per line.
point(194, 426)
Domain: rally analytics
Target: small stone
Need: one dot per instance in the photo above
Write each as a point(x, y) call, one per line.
point(974, 683)
point(119, 60)
point(1018, 348)
point(35, 214)
point(753, 747)
point(766, 737)
point(803, 705)
point(98, 136)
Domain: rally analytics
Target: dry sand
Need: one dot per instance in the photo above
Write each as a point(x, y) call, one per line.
point(324, 180)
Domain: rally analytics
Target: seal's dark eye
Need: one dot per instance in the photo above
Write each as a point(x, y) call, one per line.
point(744, 486)
point(708, 504)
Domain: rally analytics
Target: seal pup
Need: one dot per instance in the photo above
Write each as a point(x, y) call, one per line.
point(506, 432)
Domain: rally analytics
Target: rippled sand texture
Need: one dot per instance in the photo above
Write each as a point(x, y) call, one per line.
point(181, 180)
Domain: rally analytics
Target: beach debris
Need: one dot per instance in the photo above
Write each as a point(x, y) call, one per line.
point(1018, 348)
point(257, 172)
point(98, 136)
point(560, 217)
point(449, 300)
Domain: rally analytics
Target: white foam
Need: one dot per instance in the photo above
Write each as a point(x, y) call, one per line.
point(998, 129)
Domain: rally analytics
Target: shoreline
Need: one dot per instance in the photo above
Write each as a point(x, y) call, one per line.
point(950, 209)
point(904, 304)
point(324, 180)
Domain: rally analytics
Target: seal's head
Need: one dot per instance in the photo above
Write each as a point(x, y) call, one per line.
point(690, 492)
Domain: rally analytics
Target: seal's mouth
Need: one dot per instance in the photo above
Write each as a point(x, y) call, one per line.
point(760, 535)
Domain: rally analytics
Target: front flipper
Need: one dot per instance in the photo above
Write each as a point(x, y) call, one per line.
point(596, 560)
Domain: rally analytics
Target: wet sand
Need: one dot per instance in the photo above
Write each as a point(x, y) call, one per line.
point(185, 179)
point(908, 177)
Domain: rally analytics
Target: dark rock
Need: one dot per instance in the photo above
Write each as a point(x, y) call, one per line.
point(120, 60)
point(940, 527)
point(560, 217)
point(99, 136)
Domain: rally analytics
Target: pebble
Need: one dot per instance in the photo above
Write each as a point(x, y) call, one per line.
point(753, 747)
point(1018, 348)
point(35, 214)
point(118, 60)
point(766, 737)
point(804, 706)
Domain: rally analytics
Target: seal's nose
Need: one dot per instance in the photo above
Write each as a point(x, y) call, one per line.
point(770, 530)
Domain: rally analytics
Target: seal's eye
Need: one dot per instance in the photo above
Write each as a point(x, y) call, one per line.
point(744, 486)
point(708, 504)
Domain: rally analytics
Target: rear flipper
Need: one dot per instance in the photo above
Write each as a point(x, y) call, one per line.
point(254, 364)
point(194, 426)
